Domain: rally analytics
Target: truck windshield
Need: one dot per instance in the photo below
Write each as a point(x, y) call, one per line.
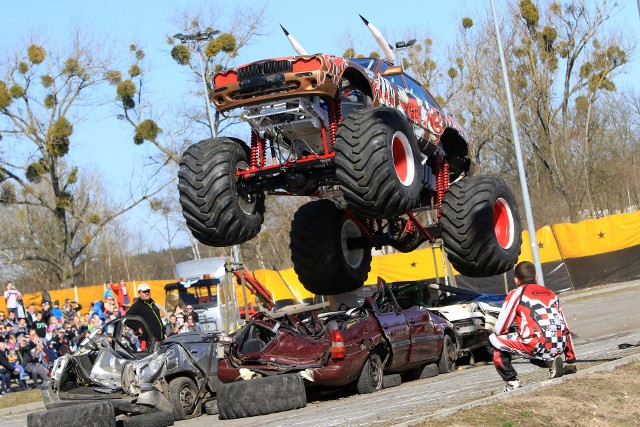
point(201, 292)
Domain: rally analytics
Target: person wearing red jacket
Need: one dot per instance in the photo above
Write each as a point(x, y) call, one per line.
point(122, 296)
point(542, 334)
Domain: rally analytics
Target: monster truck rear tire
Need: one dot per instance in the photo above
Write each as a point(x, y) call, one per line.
point(321, 259)
point(218, 210)
point(261, 396)
point(480, 226)
point(378, 163)
point(91, 414)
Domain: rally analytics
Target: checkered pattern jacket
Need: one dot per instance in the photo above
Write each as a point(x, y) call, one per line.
point(542, 330)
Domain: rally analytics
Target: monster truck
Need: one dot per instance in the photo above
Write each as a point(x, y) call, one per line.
point(387, 166)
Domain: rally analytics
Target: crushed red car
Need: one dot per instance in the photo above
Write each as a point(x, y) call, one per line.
point(357, 346)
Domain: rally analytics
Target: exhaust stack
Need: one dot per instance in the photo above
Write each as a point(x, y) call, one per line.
point(294, 43)
point(388, 53)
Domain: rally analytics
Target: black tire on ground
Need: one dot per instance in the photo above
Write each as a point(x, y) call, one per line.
point(371, 376)
point(211, 407)
point(378, 163)
point(261, 396)
point(392, 380)
point(321, 259)
point(447, 361)
point(480, 226)
point(155, 419)
point(92, 414)
point(426, 371)
point(183, 395)
point(218, 210)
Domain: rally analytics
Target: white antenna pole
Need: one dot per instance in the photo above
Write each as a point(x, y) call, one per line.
point(388, 53)
point(294, 43)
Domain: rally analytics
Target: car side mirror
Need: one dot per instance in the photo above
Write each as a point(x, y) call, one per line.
point(394, 70)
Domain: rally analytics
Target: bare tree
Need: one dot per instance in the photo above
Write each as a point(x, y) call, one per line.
point(43, 94)
point(561, 59)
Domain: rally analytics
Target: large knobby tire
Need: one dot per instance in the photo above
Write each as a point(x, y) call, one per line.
point(154, 419)
point(261, 396)
point(447, 361)
point(378, 163)
point(480, 226)
point(90, 414)
point(371, 376)
point(319, 252)
point(218, 210)
point(183, 395)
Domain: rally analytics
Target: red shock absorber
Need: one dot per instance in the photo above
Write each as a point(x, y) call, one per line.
point(256, 161)
point(442, 180)
point(335, 117)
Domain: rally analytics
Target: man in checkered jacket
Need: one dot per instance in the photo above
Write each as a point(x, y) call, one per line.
point(541, 334)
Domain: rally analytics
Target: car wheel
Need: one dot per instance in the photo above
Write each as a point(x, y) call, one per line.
point(218, 210)
point(155, 419)
point(371, 376)
point(378, 163)
point(480, 225)
point(447, 361)
point(95, 414)
point(183, 395)
point(261, 396)
point(321, 259)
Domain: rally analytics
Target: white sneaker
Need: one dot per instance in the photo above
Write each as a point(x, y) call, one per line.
point(512, 385)
point(557, 367)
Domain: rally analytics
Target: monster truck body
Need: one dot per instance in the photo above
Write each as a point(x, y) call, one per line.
point(388, 165)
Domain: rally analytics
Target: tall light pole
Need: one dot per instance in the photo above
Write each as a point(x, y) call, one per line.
point(516, 142)
point(195, 39)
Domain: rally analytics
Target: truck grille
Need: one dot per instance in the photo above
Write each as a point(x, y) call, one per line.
point(264, 68)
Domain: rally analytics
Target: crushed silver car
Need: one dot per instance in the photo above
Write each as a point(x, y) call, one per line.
point(177, 375)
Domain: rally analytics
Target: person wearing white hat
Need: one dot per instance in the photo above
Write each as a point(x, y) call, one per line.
point(146, 308)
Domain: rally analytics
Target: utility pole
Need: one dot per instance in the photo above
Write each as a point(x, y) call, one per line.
point(516, 142)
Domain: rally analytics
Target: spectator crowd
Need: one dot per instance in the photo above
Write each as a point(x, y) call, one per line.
point(32, 338)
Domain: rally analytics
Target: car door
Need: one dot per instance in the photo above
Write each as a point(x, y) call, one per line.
point(423, 339)
point(394, 325)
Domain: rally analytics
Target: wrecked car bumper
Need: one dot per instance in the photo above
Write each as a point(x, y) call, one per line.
point(145, 403)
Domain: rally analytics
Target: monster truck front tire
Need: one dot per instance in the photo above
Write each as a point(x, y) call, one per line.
point(321, 259)
point(378, 163)
point(480, 226)
point(219, 209)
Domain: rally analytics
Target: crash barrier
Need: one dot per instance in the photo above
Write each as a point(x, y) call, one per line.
point(285, 292)
point(573, 256)
point(85, 295)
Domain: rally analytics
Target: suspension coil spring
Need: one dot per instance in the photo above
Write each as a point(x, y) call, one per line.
point(255, 154)
point(335, 117)
point(442, 181)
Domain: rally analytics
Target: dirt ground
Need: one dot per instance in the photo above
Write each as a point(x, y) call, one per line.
point(600, 399)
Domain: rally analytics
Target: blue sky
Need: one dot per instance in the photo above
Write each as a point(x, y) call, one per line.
point(105, 144)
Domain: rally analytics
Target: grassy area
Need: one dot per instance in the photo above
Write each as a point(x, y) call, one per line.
point(599, 399)
point(20, 398)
